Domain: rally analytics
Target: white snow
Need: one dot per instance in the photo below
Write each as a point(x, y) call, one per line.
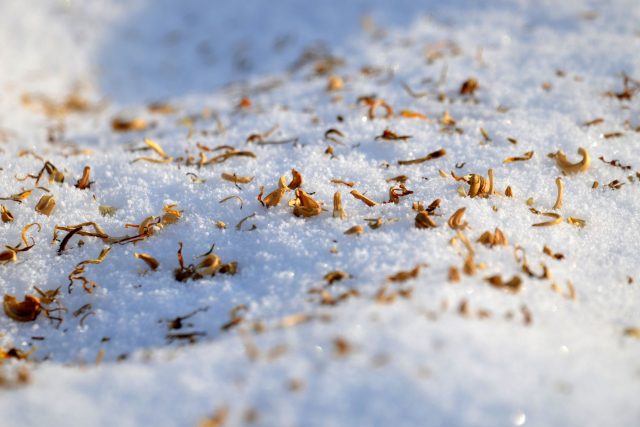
point(417, 361)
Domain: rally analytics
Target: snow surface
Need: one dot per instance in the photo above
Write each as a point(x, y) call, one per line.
point(417, 361)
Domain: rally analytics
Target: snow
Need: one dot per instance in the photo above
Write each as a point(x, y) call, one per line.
point(417, 361)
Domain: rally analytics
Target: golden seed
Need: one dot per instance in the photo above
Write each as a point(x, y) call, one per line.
point(568, 167)
point(557, 219)
point(455, 222)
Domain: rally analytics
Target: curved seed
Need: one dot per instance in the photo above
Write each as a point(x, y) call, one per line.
point(455, 221)
point(568, 167)
point(25, 311)
point(557, 219)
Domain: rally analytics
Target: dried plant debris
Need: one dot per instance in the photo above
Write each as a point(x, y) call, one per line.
point(210, 264)
point(367, 201)
point(527, 156)
point(156, 148)
point(305, 206)
point(594, 122)
point(395, 193)
point(431, 156)
point(78, 273)
point(615, 163)
point(570, 168)
point(375, 104)
point(630, 87)
point(19, 197)
point(389, 135)
point(236, 179)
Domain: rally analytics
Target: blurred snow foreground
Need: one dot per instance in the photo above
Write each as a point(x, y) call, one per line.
point(391, 309)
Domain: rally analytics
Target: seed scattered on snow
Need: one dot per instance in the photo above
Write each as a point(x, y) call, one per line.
point(571, 168)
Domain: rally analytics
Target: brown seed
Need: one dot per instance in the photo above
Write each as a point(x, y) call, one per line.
point(469, 86)
point(356, 229)
point(335, 276)
point(508, 191)
point(25, 311)
point(403, 276)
